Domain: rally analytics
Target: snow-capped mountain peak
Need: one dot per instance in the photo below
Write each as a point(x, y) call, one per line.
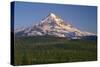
point(51, 18)
point(52, 15)
point(52, 25)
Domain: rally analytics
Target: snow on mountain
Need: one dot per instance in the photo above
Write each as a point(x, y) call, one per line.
point(52, 25)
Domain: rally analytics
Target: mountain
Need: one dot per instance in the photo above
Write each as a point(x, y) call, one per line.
point(54, 26)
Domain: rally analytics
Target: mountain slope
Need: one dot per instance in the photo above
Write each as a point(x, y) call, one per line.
point(54, 26)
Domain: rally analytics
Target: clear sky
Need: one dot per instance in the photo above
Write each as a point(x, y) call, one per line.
point(82, 17)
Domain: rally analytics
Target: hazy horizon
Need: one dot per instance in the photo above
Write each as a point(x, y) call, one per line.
point(81, 17)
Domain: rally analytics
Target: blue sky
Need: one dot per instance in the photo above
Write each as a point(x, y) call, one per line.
point(82, 17)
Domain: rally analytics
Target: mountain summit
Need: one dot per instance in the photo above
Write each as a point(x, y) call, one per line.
point(54, 26)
